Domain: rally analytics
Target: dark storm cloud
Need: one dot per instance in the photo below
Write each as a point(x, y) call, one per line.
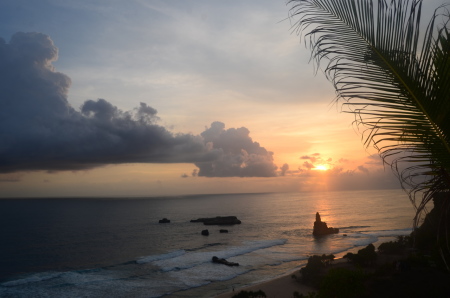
point(239, 155)
point(39, 130)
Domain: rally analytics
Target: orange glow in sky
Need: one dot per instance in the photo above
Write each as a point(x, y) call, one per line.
point(250, 74)
point(321, 167)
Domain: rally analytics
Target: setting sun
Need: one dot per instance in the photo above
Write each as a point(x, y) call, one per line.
point(321, 167)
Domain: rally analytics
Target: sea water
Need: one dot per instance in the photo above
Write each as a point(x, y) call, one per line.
point(115, 247)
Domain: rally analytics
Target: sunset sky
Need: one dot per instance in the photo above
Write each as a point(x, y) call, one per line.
point(150, 98)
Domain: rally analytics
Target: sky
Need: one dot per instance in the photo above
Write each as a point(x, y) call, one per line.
point(154, 98)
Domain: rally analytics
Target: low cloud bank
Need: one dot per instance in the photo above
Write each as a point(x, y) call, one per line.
point(239, 155)
point(40, 130)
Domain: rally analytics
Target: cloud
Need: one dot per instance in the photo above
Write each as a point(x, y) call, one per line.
point(339, 179)
point(363, 169)
point(239, 155)
point(284, 169)
point(374, 159)
point(40, 130)
point(10, 177)
point(311, 158)
point(308, 165)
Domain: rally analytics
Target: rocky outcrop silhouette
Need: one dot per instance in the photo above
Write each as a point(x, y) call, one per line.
point(219, 220)
point(321, 228)
point(164, 220)
point(223, 261)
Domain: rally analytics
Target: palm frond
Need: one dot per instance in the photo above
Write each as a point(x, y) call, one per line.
point(393, 77)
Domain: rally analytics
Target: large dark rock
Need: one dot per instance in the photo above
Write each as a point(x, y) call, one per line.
point(219, 220)
point(321, 228)
point(164, 220)
point(223, 261)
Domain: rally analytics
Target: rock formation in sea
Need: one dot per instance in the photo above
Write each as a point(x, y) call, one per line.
point(321, 228)
point(205, 233)
point(219, 220)
point(164, 220)
point(223, 261)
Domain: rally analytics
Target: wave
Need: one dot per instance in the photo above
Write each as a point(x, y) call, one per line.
point(204, 246)
point(38, 277)
point(366, 238)
point(391, 233)
point(153, 258)
point(193, 259)
point(354, 227)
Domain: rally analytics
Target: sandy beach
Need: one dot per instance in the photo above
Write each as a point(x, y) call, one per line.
point(279, 287)
point(285, 286)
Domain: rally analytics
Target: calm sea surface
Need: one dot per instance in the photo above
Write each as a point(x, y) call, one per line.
point(116, 247)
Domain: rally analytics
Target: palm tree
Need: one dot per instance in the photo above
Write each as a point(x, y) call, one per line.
point(394, 75)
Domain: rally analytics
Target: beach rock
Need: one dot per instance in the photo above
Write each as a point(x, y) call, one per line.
point(223, 231)
point(164, 220)
point(218, 220)
point(223, 261)
point(205, 233)
point(321, 228)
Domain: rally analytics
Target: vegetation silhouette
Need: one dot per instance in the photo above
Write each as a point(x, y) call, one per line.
point(393, 74)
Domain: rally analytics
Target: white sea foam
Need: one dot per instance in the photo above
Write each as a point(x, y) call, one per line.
point(153, 258)
point(390, 233)
point(38, 277)
point(189, 264)
point(364, 241)
point(207, 273)
point(192, 259)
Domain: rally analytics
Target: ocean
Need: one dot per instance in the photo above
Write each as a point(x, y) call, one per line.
point(115, 247)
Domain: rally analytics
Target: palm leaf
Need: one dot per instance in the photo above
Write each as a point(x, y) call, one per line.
point(393, 77)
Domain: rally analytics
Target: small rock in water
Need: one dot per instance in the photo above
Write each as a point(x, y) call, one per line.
point(223, 261)
point(218, 220)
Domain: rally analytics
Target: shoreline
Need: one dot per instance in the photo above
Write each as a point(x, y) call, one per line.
point(285, 285)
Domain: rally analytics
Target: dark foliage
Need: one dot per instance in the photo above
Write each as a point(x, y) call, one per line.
point(309, 295)
point(250, 294)
point(396, 247)
point(342, 282)
point(314, 270)
point(432, 236)
point(365, 257)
